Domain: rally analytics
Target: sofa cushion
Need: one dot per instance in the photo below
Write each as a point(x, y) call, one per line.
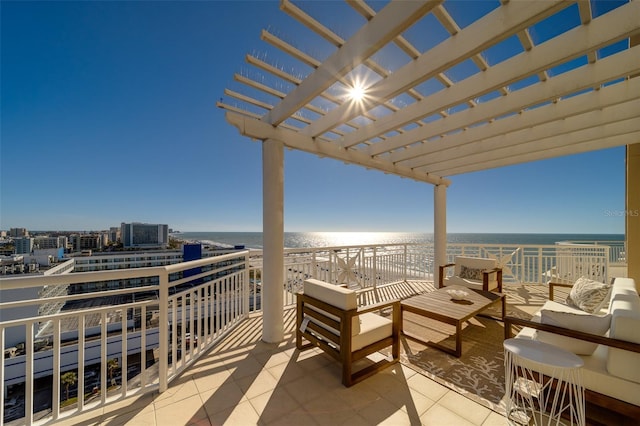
point(625, 325)
point(588, 295)
point(577, 320)
point(334, 295)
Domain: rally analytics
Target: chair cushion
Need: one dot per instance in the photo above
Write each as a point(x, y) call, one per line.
point(473, 263)
point(589, 295)
point(334, 295)
point(475, 284)
point(373, 328)
point(470, 273)
point(573, 320)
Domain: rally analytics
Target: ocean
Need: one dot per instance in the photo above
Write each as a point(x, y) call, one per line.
point(332, 239)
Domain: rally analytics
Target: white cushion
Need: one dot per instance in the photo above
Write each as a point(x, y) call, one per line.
point(340, 297)
point(589, 295)
point(578, 321)
point(373, 328)
point(475, 284)
point(625, 325)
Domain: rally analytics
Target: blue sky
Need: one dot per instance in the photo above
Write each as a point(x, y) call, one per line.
point(108, 115)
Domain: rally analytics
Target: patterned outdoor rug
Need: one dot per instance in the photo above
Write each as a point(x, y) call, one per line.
point(479, 373)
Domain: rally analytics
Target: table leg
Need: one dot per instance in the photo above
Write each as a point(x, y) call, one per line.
point(459, 339)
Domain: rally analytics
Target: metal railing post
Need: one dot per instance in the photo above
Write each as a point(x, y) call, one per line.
point(405, 263)
point(164, 332)
point(245, 285)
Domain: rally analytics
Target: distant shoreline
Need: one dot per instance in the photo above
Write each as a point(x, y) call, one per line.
point(228, 240)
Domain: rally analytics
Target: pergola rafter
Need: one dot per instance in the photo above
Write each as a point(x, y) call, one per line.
point(456, 129)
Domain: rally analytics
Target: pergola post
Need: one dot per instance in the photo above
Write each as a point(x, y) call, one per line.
point(439, 229)
point(632, 201)
point(632, 210)
point(272, 297)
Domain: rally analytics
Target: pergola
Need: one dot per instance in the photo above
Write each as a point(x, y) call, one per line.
point(416, 93)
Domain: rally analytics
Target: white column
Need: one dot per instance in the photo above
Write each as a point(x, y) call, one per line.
point(273, 241)
point(439, 229)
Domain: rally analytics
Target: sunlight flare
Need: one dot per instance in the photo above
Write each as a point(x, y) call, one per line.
point(357, 92)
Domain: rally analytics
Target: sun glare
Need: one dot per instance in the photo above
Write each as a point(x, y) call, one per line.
point(357, 92)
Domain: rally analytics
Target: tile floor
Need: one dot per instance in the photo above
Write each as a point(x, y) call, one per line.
point(244, 381)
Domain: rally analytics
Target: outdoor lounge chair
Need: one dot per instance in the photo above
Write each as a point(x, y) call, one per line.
point(473, 272)
point(328, 318)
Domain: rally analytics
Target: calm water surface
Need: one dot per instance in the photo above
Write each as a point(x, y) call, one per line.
point(328, 239)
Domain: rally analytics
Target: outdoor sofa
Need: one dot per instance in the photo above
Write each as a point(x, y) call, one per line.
point(607, 340)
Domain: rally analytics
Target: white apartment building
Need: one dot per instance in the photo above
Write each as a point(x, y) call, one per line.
point(45, 243)
point(142, 235)
point(23, 245)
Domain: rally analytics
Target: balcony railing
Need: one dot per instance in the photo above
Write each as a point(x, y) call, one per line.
point(111, 345)
point(137, 329)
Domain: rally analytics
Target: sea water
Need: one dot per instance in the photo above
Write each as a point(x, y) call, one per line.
point(332, 239)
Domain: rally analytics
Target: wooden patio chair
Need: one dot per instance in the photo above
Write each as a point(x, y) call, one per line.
point(328, 318)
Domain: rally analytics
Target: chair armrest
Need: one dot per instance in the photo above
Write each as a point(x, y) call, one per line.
point(588, 337)
point(378, 306)
point(552, 285)
point(441, 269)
point(485, 278)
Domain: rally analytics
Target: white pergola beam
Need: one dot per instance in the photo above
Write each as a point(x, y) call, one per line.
point(598, 131)
point(258, 129)
point(393, 19)
point(310, 22)
point(289, 49)
point(609, 142)
point(577, 42)
point(618, 95)
point(585, 77)
point(493, 28)
point(529, 132)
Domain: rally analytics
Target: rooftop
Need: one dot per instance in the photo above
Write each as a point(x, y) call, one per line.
point(246, 381)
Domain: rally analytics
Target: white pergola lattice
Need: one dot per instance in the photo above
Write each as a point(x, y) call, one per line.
point(593, 105)
point(446, 107)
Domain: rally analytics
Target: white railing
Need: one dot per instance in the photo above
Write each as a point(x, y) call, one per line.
point(120, 350)
point(363, 267)
point(617, 249)
point(188, 307)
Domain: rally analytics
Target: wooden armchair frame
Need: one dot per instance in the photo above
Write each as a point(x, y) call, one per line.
point(485, 276)
point(339, 346)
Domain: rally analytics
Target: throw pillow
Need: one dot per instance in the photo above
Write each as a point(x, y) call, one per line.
point(586, 323)
point(589, 295)
point(470, 273)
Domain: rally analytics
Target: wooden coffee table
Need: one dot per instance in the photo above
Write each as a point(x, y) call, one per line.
point(439, 306)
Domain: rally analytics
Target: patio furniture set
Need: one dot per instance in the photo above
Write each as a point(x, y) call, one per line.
point(328, 316)
point(542, 356)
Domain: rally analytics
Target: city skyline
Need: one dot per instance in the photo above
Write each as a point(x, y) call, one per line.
point(108, 116)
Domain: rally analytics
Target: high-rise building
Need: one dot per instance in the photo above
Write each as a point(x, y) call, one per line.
point(50, 242)
point(114, 234)
point(18, 232)
point(143, 235)
point(86, 242)
point(23, 245)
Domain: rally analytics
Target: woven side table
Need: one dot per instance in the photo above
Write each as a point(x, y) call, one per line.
point(543, 384)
